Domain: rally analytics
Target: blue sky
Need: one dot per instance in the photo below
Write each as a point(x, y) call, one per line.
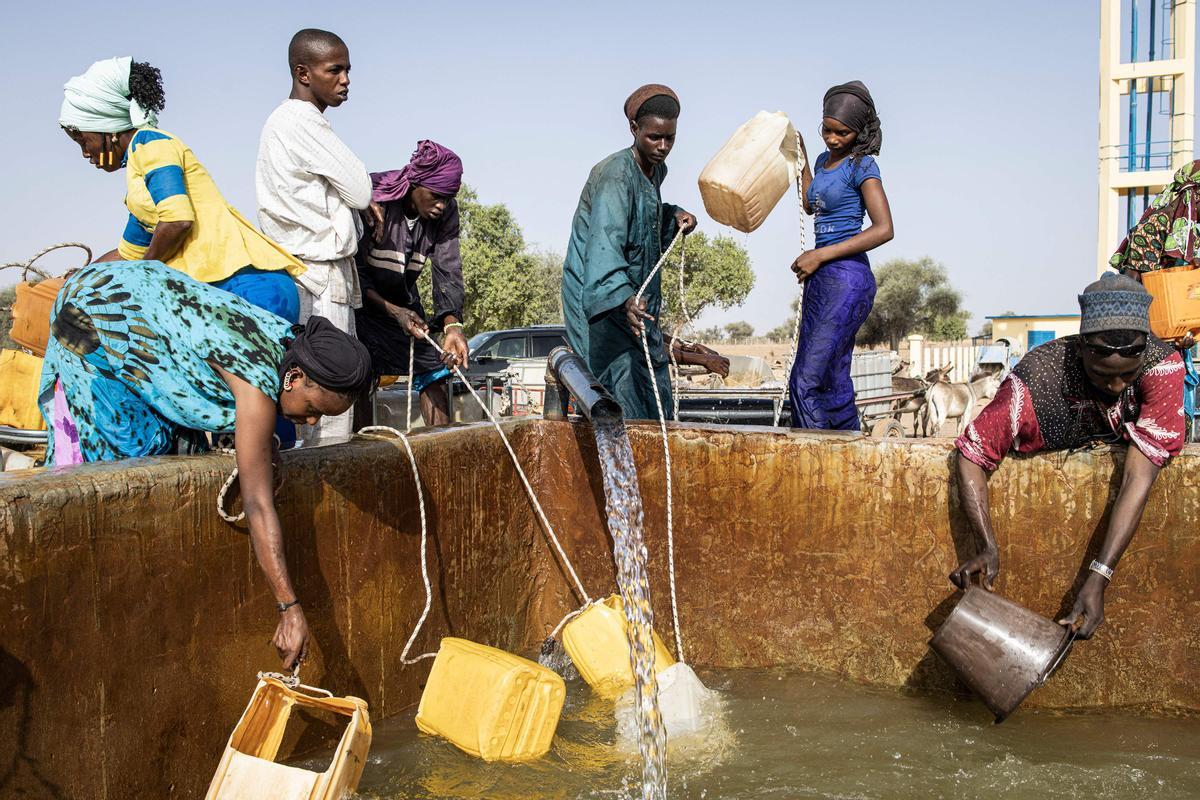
point(989, 114)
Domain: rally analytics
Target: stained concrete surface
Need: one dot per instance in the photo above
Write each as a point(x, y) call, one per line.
point(133, 620)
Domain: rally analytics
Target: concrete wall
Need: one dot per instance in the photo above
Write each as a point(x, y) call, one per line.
point(1015, 330)
point(132, 620)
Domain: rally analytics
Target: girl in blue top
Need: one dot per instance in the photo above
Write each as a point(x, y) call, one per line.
point(838, 285)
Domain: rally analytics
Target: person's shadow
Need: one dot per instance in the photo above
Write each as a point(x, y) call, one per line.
point(20, 773)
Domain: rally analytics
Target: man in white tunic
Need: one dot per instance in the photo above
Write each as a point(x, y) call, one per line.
point(310, 187)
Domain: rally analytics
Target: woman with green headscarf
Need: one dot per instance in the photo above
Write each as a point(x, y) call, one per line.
point(176, 213)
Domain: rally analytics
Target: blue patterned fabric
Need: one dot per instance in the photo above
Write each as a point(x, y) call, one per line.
point(132, 344)
point(1190, 381)
point(837, 299)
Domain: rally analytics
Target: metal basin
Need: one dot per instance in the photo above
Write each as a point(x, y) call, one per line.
point(1003, 651)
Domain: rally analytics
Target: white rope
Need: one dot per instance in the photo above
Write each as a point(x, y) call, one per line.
point(221, 495)
point(570, 616)
point(787, 372)
point(537, 506)
point(28, 267)
point(424, 540)
point(225, 487)
point(412, 346)
point(662, 424)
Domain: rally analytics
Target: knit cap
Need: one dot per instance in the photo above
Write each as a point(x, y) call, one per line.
point(1114, 303)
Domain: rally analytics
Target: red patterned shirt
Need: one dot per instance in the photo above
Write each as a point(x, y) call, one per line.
point(1149, 414)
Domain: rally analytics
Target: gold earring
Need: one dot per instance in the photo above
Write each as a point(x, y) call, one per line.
point(287, 380)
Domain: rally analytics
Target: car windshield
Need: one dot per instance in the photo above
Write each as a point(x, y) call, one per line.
point(476, 341)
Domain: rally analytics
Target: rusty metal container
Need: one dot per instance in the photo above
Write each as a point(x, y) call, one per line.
point(1003, 651)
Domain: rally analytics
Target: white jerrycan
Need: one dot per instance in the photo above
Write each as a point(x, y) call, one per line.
point(745, 179)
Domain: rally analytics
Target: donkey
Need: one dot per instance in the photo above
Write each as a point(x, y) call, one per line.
point(918, 387)
point(945, 400)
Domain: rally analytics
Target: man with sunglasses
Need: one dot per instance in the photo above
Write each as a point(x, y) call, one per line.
point(1113, 383)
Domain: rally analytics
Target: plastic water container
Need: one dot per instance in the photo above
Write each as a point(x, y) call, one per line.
point(489, 703)
point(745, 179)
point(248, 771)
point(31, 313)
point(681, 699)
point(20, 378)
point(597, 642)
point(1175, 311)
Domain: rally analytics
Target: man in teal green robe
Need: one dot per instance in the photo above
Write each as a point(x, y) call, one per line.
point(620, 231)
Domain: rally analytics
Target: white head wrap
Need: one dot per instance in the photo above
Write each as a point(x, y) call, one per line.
point(98, 100)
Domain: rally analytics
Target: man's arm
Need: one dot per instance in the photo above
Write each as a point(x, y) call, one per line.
point(1139, 475)
point(449, 294)
point(987, 440)
point(328, 156)
point(973, 497)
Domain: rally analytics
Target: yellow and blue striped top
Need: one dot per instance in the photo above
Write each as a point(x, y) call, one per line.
point(166, 183)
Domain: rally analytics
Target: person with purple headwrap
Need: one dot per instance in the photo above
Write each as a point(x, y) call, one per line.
point(839, 288)
point(412, 221)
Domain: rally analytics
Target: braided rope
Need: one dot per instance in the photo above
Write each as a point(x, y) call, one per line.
point(368, 430)
point(28, 265)
point(537, 506)
point(787, 373)
point(662, 424)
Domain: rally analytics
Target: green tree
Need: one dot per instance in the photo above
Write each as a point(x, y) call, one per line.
point(712, 334)
point(913, 297)
point(739, 330)
point(507, 285)
point(716, 273)
point(784, 331)
point(7, 298)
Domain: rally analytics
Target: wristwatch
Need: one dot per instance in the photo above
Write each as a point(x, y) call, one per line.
point(282, 607)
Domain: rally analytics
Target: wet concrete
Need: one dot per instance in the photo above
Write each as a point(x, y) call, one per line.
point(133, 620)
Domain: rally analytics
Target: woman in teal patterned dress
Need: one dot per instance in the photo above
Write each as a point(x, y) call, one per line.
point(141, 354)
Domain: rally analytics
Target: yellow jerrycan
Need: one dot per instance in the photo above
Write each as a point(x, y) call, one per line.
point(598, 645)
point(745, 179)
point(248, 770)
point(489, 703)
point(20, 377)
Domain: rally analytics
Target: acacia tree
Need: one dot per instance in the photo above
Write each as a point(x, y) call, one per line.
point(913, 297)
point(506, 284)
point(783, 332)
point(739, 330)
point(716, 273)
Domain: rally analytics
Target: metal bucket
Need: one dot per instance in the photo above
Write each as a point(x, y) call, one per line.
point(1000, 649)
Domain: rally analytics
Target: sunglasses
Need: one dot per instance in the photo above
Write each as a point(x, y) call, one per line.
point(1128, 351)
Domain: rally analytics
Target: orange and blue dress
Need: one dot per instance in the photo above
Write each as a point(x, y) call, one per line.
point(165, 182)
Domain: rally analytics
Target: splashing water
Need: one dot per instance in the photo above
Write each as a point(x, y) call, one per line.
point(623, 501)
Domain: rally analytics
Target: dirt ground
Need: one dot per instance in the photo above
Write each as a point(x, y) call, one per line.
point(772, 352)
